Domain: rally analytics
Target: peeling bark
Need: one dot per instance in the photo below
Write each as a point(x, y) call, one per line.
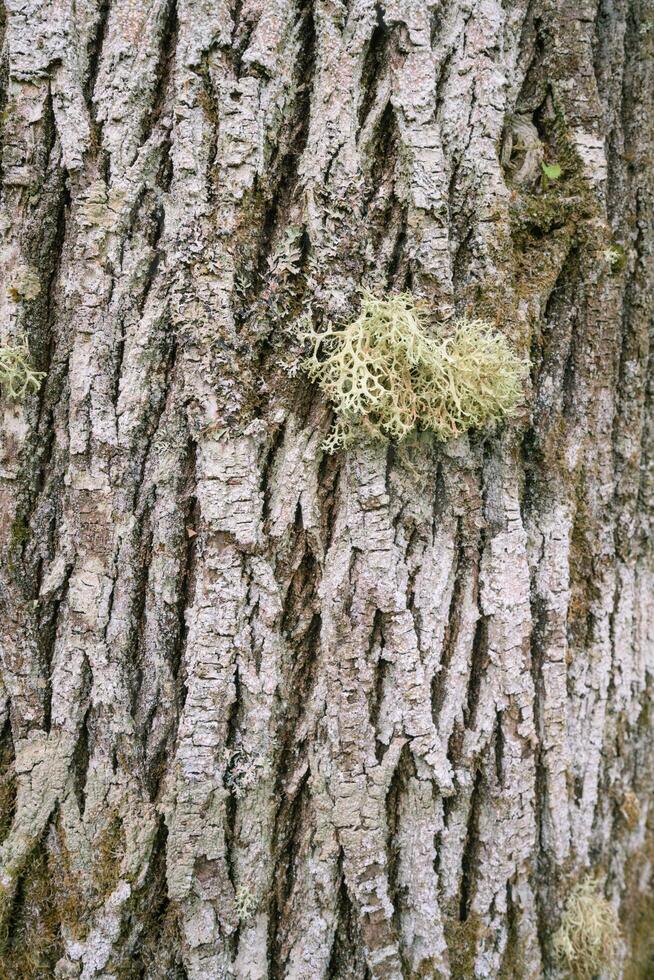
point(267, 712)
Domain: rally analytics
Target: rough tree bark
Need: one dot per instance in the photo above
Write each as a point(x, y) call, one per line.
point(268, 712)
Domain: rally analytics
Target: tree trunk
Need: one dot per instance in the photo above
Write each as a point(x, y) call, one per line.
point(270, 712)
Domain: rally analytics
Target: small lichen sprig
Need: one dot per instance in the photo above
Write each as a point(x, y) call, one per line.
point(615, 257)
point(588, 937)
point(387, 374)
point(245, 904)
point(243, 772)
point(17, 376)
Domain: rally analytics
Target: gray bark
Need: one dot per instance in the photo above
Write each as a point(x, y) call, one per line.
point(268, 712)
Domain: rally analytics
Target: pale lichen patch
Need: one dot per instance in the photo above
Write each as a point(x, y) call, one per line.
point(588, 937)
point(387, 374)
point(17, 376)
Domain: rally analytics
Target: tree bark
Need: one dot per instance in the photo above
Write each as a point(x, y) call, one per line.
point(268, 712)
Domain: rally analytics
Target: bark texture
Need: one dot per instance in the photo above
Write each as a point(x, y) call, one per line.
point(268, 713)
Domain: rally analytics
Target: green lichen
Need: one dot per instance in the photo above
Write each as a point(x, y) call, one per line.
point(387, 375)
point(245, 904)
point(17, 376)
point(589, 934)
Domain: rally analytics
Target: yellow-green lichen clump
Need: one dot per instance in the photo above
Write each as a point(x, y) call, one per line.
point(387, 374)
point(17, 376)
point(588, 937)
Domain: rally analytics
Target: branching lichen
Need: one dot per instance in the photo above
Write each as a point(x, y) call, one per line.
point(588, 936)
point(245, 904)
point(17, 376)
point(615, 257)
point(243, 772)
point(386, 375)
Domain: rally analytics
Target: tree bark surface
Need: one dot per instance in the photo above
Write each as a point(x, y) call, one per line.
point(268, 712)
